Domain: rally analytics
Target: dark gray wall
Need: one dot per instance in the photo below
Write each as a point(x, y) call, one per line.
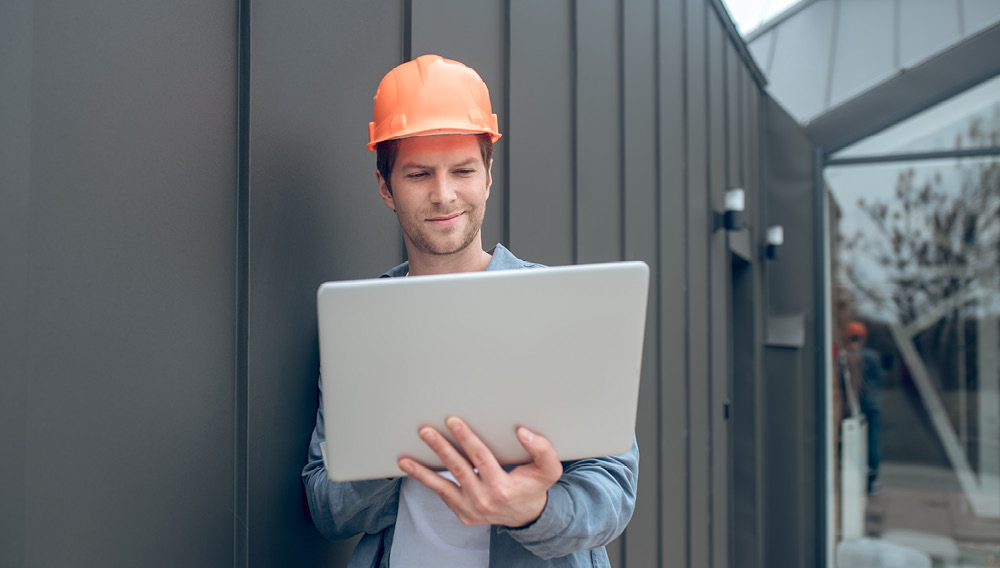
point(119, 249)
point(748, 328)
point(793, 441)
point(179, 178)
point(314, 215)
point(15, 152)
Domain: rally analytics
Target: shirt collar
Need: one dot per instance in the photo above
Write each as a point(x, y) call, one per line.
point(502, 259)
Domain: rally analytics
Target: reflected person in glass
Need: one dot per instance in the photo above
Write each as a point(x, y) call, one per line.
point(865, 372)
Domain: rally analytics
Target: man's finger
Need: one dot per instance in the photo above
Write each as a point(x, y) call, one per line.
point(447, 490)
point(479, 454)
point(541, 452)
point(454, 461)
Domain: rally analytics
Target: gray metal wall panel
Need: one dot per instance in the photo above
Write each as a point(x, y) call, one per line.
point(757, 153)
point(744, 417)
point(16, 31)
point(315, 216)
point(598, 131)
point(598, 142)
point(697, 272)
point(540, 137)
point(474, 33)
point(735, 98)
point(137, 193)
point(790, 441)
point(641, 233)
point(674, 531)
point(741, 301)
point(747, 334)
point(719, 295)
point(784, 539)
point(129, 398)
point(791, 201)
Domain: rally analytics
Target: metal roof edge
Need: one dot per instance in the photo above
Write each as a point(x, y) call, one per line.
point(739, 42)
point(777, 20)
point(908, 92)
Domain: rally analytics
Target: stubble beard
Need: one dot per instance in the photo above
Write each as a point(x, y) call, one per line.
point(424, 242)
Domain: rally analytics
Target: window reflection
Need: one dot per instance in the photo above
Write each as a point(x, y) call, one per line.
point(916, 383)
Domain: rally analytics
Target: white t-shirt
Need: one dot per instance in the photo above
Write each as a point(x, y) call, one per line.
point(429, 535)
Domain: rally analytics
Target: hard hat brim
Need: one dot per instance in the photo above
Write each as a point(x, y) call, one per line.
point(494, 136)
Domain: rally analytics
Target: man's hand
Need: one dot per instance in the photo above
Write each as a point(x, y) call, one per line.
point(492, 496)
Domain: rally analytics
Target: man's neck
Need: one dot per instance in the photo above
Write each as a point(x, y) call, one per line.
point(472, 259)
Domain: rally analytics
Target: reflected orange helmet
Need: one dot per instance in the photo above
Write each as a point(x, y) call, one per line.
point(431, 95)
point(856, 328)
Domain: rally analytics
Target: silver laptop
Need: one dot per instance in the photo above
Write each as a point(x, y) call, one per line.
point(557, 350)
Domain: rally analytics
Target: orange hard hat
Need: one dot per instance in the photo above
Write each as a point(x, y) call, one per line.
point(856, 328)
point(431, 95)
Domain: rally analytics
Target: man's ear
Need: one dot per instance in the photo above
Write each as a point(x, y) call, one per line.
point(489, 178)
point(383, 190)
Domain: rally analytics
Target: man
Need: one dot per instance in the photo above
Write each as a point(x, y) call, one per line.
point(434, 131)
point(865, 374)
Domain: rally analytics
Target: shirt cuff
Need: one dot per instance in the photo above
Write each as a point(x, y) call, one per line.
point(552, 522)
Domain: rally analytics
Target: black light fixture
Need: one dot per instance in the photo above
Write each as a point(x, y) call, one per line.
point(775, 238)
point(732, 219)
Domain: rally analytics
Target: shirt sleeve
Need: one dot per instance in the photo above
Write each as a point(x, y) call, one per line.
point(343, 509)
point(588, 507)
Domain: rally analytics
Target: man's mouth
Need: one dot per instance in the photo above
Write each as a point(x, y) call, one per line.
point(446, 220)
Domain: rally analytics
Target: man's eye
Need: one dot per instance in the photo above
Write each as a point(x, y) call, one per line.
point(465, 172)
point(416, 175)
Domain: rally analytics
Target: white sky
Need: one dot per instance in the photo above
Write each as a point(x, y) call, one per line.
point(749, 14)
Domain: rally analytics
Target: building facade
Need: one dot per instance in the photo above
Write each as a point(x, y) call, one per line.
point(178, 179)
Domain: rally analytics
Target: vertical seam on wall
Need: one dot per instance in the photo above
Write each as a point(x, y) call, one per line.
point(623, 216)
point(725, 118)
point(760, 169)
point(241, 458)
point(407, 30)
point(707, 79)
point(687, 283)
point(506, 126)
point(26, 361)
point(574, 110)
point(742, 137)
point(621, 182)
point(658, 203)
point(406, 55)
point(728, 308)
point(820, 355)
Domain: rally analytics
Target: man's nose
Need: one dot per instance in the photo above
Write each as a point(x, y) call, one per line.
point(443, 190)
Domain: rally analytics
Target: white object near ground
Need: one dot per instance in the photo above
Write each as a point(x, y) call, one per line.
point(872, 553)
point(853, 476)
point(936, 546)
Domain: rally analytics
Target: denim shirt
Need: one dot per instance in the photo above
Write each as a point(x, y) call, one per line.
point(587, 508)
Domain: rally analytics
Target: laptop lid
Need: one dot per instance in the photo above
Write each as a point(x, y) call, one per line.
point(557, 350)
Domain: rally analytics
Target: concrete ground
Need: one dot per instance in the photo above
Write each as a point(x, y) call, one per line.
point(923, 507)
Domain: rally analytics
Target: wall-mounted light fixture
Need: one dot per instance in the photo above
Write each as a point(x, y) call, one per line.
point(775, 238)
point(732, 219)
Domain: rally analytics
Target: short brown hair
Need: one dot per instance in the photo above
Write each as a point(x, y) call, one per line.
point(386, 156)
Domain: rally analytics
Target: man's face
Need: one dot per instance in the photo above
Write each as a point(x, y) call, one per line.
point(439, 190)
